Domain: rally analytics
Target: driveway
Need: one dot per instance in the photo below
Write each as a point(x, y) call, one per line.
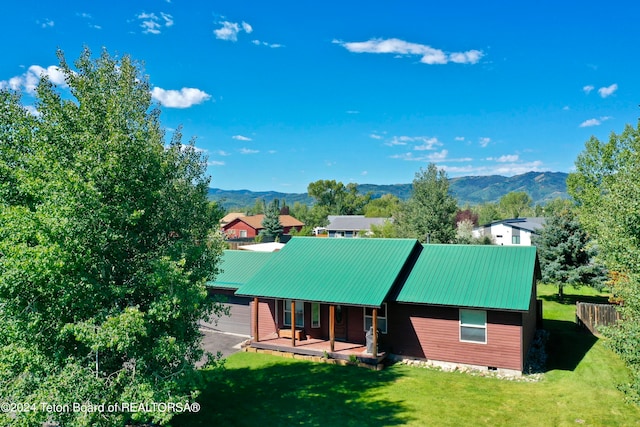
point(229, 332)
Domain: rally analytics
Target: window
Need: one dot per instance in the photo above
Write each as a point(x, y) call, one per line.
point(299, 313)
point(515, 240)
point(473, 326)
point(243, 233)
point(315, 315)
point(382, 318)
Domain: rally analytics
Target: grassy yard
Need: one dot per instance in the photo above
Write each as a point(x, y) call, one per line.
point(579, 388)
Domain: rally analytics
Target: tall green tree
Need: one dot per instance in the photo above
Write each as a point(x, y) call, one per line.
point(606, 187)
point(337, 198)
point(429, 214)
point(383, 207)
point(106, 242)
point(271, 222)
point(515, 204)
point(567, 255)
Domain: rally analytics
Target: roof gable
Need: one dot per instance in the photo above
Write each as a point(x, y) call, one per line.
point(236, 267)
point(495, 277)
point(255, 221)
point(339, 271)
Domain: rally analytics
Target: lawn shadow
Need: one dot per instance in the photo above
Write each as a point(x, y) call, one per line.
point(568, 344)
point(296, 392)
point(570, 299)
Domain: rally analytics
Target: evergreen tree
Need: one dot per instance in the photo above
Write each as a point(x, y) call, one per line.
point(271, 222)
point(566, 254)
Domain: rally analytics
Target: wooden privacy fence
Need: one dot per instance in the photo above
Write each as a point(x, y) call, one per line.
point(593, 315)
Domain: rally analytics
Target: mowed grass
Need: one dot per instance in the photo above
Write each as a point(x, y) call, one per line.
point(579, 388)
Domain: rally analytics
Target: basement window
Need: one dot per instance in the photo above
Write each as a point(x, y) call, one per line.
point(473, 326)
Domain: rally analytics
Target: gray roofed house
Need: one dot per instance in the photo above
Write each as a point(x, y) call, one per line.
point(516, 231)
point(351, 225)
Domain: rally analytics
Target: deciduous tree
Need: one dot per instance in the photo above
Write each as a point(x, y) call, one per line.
point(106, 241)
point(606, 186)
point(429, 214)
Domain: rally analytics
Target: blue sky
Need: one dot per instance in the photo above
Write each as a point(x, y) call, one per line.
point(280, 94)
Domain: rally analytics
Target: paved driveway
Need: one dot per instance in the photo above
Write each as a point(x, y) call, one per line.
point(230, 331)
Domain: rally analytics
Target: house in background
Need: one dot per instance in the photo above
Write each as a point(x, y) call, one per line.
point(450, 304)
point(508, 232)
point(351, 225)
point(230, 217)
point(250, 226)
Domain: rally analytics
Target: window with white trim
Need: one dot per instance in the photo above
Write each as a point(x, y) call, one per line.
point(382, 318)
point(315, 315)
point(299, 313)
point(243, 233)
point(473, 326)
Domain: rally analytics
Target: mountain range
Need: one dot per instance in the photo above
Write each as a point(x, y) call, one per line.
point(469, 190)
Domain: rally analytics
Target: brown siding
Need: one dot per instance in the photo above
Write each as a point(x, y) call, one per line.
point(266, 316)
point(355, 324)
point(433, 333)
point(529, 323)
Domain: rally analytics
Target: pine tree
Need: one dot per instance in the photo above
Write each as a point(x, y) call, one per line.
point(272, 226)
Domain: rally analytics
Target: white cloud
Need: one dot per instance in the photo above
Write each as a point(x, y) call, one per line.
point(229, 30)
point(271, 45)
point(152, 24)
point(438, 156)
point(607, 91)
point(427, 143)
point(507, 158)
point(484, 141)
point(587, 89)
point(594, 122)
point(168, 19)
point(459, 138)
point(215, 163)
point(505, 169)
point(248, 151)
point(364, 173)
point(428, 54)
point(375, 136)
point(241, 138)
point(222, 153)
point(183, 98)
point(352, 112)
point(30, 79)
point(48, 23)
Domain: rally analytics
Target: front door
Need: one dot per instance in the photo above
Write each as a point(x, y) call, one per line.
point(341, 323)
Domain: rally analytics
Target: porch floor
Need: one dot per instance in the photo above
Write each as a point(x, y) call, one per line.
point(317, 347)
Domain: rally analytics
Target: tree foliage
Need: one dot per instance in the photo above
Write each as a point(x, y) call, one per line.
point(106, 242)
point(382, 207)
point(515, 204)
point(271, 222)
point(567, 256)
point(429, 214)
point(337, 198)
point(606, 187)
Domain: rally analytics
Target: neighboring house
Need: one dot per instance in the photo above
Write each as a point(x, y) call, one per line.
point(507, 232)
point(458, 304)
point(250, 226)
point(351, 225)
point(230, 217)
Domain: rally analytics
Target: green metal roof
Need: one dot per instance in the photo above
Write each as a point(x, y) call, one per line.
point(338, 271)
point(237, 267)
point(498, 277)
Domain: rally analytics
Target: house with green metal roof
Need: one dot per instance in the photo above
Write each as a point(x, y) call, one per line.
point(236, 268)
point(457, 304)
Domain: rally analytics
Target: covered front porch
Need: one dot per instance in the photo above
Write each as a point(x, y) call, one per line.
point(320, 348)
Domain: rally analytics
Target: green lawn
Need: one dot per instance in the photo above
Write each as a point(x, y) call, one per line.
point(579, 387)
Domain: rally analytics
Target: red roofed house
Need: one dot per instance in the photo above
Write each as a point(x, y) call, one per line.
point(250, 226)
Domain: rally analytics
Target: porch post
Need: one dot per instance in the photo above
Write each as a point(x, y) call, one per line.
point(374, 322)
point(293, 323)
point(256, 306)
point(332, 327)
